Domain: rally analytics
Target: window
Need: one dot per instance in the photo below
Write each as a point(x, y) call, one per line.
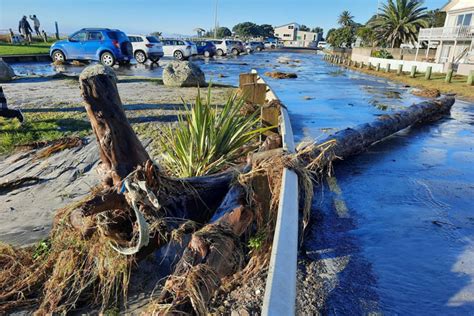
point(464, 19)
point(79, 36)
point(94, 36)
point(286, 35)
point(290, 27)
point(180, 43)
point(152, 39)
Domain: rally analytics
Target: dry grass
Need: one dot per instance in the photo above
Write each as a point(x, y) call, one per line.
point(70, 269)
point(458, 85)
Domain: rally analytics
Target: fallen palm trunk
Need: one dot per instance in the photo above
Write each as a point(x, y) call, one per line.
point(212, 257)
point(352, 141)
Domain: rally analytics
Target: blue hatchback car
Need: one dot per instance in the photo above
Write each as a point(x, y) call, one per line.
point(104, 45)
point(206, 48)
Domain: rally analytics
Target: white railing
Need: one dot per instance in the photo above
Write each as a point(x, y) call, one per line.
point(447, 33)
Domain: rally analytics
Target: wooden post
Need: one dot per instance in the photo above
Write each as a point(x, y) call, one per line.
point(361, 65)
point(378, 67)
point(413, 72)
point(57, 30)
point(470, 78)
point(387, 69)
point(449, 76)
point(400, 69)
point(270, 116)
point(369, 65)
point(254, 92)
point(245, 79)
point(429, 69)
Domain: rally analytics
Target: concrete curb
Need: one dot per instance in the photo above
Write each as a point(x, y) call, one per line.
point(280, 289)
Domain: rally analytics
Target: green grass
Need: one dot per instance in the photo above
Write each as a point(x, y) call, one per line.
point(38, 127)
point(22, 49)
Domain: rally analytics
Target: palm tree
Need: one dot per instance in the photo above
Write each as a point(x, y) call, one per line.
point(345, 19)
point(399, 22)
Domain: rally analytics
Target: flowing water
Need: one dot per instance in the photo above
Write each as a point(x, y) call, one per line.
point(401, 215)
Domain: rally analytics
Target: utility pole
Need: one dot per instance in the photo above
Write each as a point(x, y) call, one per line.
point(215, 20)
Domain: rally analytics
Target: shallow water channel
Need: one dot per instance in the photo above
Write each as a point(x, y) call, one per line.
point(395, 224)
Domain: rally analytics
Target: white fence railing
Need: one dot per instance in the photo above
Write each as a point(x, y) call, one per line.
point(447, 33)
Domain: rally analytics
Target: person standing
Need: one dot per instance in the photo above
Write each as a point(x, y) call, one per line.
point(6, 112)
point(25, 28)
point(36, 24)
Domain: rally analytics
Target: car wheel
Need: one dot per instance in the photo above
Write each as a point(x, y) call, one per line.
point(178, 55)
point(207, 54)
point(107, 59)
point(249, 50)
point(235, 51)
point(58, 56)
point(259, 49)
point(273, 47)
point(220, 52)
point(140, 57)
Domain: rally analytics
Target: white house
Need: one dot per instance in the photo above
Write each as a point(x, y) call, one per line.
point(291, 35)
point(454, 41)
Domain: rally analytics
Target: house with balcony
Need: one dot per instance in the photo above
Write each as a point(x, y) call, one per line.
point(291, 35)
point(454, 41)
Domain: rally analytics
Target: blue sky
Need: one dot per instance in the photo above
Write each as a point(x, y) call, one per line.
point(181, 17)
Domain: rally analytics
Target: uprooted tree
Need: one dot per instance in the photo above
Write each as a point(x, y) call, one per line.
point(96, 243)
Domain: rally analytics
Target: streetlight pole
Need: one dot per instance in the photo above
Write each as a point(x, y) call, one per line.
point(215, 20)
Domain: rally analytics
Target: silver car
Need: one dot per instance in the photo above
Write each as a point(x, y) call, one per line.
point(179, 49)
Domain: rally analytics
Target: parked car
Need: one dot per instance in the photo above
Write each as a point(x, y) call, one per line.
point(223, 47)
point(237, 47)
point(105, 45)
point(178, 49)
point(206, 48)
point(146, 47)
point(254, 46)
point(272, 44)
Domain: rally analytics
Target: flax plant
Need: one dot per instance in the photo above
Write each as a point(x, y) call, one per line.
point(209, 139)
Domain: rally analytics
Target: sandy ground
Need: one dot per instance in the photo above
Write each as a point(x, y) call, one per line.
point(26, 214)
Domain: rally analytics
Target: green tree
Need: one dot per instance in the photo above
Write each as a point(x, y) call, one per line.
point(330, 32)
point(266, 30)
point(223, 32)
point(399, 21)
point(367, 35)
point(304, 28)
point(342, 37)
point(345, 19)
point(436, 18)
point(318, 30)
point(247, 29)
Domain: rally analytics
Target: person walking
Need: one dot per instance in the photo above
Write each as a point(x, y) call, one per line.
point(36, 24)
point(6, 112)
point(25, 28)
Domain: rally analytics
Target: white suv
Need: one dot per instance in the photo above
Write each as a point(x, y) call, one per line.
point(223, 47)
point(179, 49)
point(146, 47)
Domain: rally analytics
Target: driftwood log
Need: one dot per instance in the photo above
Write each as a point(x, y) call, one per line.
point(352, 141)
point(121, 152)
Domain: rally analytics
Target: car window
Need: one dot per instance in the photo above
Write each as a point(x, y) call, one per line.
point(152, 39)
point(218, 42)
point(117, 36)
point(180, 43)
point(79, 36)
point(139, 39)
point(94, 36)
